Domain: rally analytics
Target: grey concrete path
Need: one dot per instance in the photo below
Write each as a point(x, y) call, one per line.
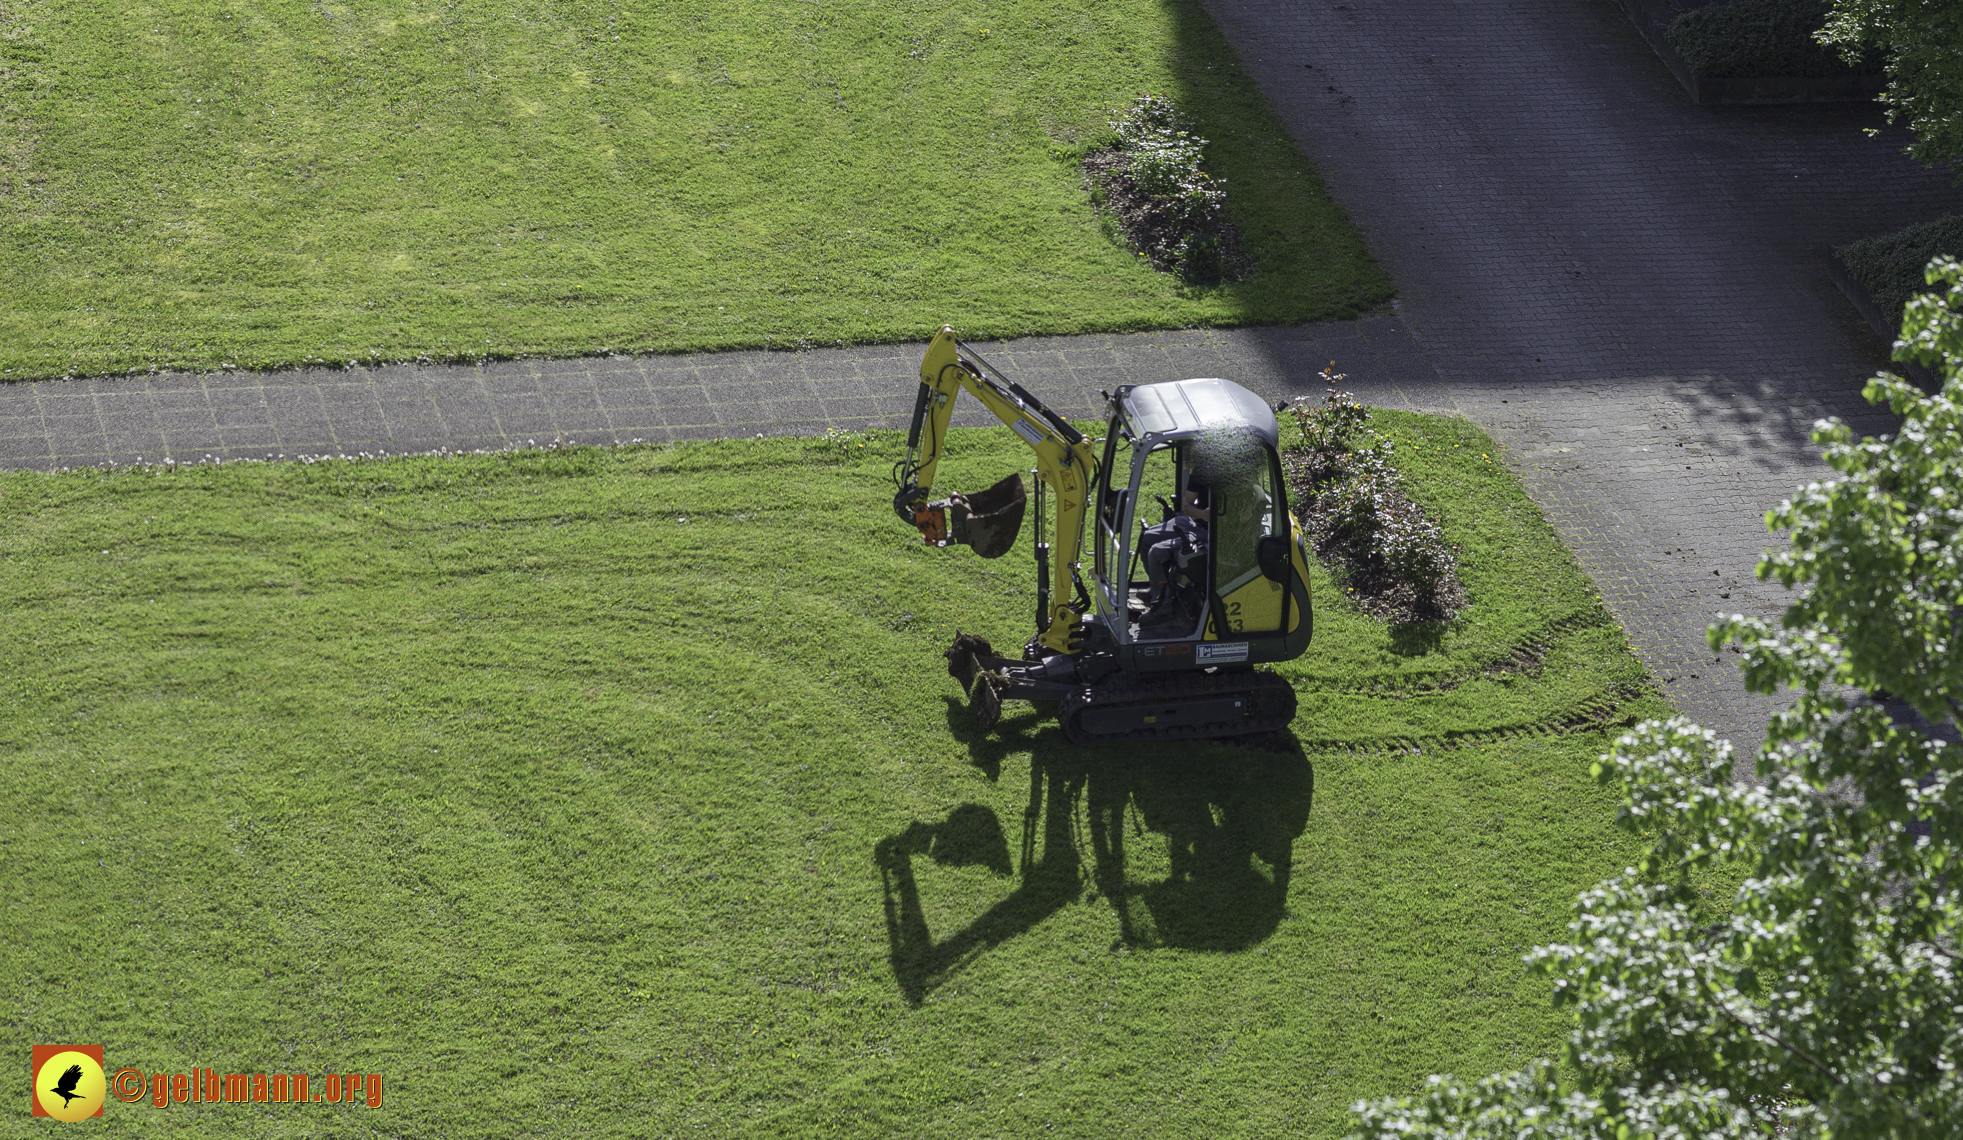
point(1628, 290)
point(398, 409)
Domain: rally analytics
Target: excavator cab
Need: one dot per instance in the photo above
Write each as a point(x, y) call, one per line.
point(1198, 572)
point(1251, 587)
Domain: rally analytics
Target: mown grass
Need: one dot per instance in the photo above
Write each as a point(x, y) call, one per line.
point(270, 183)
point(623, 792)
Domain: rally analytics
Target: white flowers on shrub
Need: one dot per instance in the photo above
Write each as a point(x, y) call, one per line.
point(1362, 496)
point(1823, 998)
point(1164, 157)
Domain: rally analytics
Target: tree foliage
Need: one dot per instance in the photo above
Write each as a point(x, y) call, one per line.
point(1822, 999)
point(1922, 44)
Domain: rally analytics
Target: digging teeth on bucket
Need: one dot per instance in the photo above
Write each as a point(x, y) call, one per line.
point(971, 660)
point(987, 701)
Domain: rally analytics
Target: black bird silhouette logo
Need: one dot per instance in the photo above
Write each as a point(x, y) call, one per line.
point(65, 1087)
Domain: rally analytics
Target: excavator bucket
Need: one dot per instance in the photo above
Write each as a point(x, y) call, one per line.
point(985, 688)
point(988, 520)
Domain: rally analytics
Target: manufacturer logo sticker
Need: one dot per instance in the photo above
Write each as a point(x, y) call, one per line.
point(1220, 653)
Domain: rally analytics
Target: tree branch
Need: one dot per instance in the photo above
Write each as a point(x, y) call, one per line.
point(1795, 1050)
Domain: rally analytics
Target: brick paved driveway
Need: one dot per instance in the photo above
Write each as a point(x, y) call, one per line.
point(1628, 290)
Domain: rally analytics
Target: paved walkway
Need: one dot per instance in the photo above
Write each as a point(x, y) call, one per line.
point(603, 400)
point(1628, 290)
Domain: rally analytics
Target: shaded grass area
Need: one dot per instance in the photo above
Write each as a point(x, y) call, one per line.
point(624, 792)
point(267, 184)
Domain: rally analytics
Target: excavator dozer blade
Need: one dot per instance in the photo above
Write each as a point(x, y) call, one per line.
point(961, 656)
point(987, 701)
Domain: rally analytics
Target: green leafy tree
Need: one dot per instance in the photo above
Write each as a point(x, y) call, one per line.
point(1823, 998)
point(1922, 43)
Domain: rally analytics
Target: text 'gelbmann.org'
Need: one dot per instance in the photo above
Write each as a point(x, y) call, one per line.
point(209, 1086)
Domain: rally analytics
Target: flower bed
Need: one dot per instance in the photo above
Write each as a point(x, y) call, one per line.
point(1393, 557)
point(1168, 207)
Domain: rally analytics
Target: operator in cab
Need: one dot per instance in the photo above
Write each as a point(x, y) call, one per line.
point(1175, 564)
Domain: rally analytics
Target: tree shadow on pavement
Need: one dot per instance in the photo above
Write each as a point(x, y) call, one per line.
point(1220, 808)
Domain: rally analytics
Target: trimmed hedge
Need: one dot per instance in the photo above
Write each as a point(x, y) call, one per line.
point(1752, 38)
point(1890, 266)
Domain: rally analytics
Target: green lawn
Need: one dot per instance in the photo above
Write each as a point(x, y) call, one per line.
point(624, 792)
point(269, 182)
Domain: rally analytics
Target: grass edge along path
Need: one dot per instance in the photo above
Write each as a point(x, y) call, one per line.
point(186, 186)
point(623, 792)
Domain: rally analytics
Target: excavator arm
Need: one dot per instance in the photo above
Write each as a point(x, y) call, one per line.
point(1064, 466)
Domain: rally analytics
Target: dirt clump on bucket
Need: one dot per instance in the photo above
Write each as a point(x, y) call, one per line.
point(988, 521)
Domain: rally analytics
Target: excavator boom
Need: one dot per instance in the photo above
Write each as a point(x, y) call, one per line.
point(1064, 467)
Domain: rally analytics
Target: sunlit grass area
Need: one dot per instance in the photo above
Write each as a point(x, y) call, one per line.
point(271, 182)
point(624, 792)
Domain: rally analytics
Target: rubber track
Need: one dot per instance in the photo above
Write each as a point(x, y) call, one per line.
point(1191, 686)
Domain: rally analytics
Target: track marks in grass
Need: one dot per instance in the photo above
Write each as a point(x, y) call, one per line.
point(520, 779)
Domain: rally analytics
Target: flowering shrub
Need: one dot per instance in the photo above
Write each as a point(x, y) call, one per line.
point(1816, 995)
point(1165, 158)
point(1151, 116)
point(1357, 511)
point(1414, 546)
point(1173, 207)
point(1328, 429)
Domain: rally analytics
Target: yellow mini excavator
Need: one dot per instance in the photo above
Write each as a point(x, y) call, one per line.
point(1161, 642)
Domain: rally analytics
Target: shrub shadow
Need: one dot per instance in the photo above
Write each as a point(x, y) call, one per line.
point(1418, 638)
point(1219, 806)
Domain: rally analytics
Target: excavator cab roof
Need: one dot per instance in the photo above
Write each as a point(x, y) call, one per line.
point(1183, 409)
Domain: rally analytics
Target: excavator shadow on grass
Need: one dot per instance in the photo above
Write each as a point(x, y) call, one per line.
point(1227, 812)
